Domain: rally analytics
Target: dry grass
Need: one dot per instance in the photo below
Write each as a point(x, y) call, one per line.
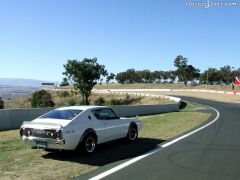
point(163, 86)
point(24, 101)
point(67, 97)
point(18, 102)
point(18, 160)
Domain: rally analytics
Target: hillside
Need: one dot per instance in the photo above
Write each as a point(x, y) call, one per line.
point(9, 92)
point(69, 98)
point(22, 82)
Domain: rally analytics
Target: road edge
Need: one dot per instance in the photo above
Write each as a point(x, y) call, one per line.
point(138, 158)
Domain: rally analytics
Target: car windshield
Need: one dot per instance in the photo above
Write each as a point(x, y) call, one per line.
point(68, 114)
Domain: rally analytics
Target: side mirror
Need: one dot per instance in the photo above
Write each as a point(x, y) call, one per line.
point(89, 117)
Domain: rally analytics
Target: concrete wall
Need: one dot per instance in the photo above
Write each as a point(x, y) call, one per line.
point(131, 111)
point(13, 118)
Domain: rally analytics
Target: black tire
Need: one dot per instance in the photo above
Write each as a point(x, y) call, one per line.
point(132, 133)
point(89, 144)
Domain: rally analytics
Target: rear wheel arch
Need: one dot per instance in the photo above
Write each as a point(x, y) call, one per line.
point(133, 124)
point(85, 134)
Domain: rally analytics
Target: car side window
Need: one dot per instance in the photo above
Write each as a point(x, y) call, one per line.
point(96, 113)
point(104, 114)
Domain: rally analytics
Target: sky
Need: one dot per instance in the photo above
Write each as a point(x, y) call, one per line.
point(37, 37)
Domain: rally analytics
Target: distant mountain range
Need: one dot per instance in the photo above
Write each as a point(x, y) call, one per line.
point(23, 82)
point(13, 87)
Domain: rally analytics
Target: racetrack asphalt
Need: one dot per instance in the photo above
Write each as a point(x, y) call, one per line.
point(212, 153)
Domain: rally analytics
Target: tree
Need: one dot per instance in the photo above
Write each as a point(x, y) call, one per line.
point(145, 76)
point(211, 76)
point(181, 63)
point(157, 76)
point(110, 77)
point(42, 98)
point(121, 77)
point(226, 74)
point(184, 71)
point(64, 82)
point(192, 73)
point(1, 103)
point(84, 74)
point(172, 76)
point(131, 76)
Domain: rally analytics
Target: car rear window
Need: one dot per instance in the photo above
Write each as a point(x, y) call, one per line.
point(68, 114)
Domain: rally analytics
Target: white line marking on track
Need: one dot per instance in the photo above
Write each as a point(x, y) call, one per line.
point(121, 166)
point(125, 164)
point(190, 133)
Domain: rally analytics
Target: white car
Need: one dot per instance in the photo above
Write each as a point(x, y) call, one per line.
point(81, 127)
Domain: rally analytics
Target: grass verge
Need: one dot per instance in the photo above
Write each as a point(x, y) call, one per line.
point(19, 161)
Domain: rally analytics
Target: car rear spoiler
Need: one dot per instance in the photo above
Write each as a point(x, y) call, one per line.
point(41, 125)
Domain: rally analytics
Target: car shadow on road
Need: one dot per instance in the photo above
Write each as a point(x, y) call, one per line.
point(108, 153)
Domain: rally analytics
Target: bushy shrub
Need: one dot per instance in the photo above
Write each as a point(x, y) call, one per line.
point(71, 102)
point(1, 103)
point(99, 101)
point(74, 102)
point(64, 94)
point(115, 102)
point(42, 98)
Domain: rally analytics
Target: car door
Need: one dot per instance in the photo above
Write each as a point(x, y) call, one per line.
point(113, 128)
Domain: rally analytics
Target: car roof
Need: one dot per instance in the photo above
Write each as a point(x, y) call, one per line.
point(83, 108)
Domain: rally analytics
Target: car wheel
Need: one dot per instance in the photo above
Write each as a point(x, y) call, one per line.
point(89, 144)
point(132, 133)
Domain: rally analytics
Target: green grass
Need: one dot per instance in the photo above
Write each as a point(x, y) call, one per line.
point(19, 161)
point(167, 126)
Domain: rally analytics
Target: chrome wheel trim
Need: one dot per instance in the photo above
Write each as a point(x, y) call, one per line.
point(90, 144)
point(132, 134)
